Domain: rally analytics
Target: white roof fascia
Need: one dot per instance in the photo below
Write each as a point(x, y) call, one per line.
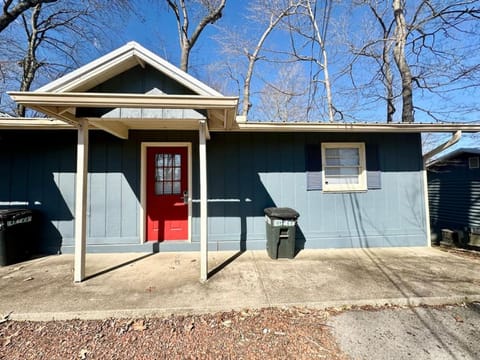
point(109, 61)
point(173, 72)
point(80, 74)
point(26, 123)
point(355, 127)
point(123, 100)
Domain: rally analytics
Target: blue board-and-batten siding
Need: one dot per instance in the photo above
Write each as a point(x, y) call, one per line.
point(454, 195)
point(261, 170)
point(246, 173)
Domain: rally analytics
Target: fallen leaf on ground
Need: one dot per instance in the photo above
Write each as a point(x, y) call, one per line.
point(139, 325)
point(5, 318)
point(83, 354)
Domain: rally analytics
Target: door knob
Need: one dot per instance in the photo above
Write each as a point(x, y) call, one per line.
point(185, 197)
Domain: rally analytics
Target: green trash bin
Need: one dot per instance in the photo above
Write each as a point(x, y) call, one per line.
point(280, 224)
point(15, 235)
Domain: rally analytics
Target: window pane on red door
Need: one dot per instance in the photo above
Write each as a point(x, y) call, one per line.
point(168, 174)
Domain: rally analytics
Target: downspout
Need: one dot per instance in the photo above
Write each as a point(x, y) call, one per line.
point(452, 141)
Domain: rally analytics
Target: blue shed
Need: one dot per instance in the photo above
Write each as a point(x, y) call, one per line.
point(454, 194)
point(140, 156)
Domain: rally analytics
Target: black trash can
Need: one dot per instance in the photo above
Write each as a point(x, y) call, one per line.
point(280, 224)
point(15, 235)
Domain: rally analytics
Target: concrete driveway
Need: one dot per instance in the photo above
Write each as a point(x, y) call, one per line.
point(130, 285)
point(420, 333)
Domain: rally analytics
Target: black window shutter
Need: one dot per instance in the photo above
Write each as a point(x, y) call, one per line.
point(374, 175)
point(314, 167)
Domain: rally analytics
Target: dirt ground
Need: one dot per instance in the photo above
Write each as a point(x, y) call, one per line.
point(254, 334)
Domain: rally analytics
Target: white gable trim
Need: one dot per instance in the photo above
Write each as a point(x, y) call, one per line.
point(121, 60)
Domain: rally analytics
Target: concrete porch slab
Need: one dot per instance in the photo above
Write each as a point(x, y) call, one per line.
point(135, 285)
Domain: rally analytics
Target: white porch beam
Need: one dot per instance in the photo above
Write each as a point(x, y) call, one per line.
point(115, 128)
point(81, 201)
point(64, 116)
point(203, 201)
point(66, 109)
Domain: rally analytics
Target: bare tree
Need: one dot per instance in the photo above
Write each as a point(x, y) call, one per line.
point(401, 34)
point(29, 63)
point(274, 14)
point(296, 22)
point(443, 40)
point(384, 59)
point(49, 40)
point(378, 49)
point(312, 35)
point(187, 39)
point(386, 68)
point(285, 98)
point(434, 46)
point(12, 11)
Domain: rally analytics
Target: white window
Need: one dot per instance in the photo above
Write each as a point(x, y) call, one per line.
point(343, 167)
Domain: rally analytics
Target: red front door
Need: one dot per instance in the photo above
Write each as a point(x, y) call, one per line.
point(167, 193)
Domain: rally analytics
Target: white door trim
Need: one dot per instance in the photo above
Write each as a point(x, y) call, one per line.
point(143, 185)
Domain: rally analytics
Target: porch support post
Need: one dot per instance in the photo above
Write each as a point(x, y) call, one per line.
point(81, 201)
point(203, 201)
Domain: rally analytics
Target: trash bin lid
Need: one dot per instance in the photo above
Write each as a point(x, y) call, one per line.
point(283, 213)
point(7, 214)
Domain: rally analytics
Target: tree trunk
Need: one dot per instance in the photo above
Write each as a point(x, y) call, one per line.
point(388, 80)
point(252, 58)
point(185, 56)
point(30, 63)
point(183, 20)
point(401, 61)
point(326, 75)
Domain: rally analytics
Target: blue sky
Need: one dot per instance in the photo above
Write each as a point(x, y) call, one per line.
point(155, 29)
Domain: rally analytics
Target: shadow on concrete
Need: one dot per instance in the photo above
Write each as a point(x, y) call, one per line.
point(119, 266)
point(403, 286)
point(224, 264)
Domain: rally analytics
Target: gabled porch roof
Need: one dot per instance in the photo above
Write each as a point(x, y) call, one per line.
point(80, 95)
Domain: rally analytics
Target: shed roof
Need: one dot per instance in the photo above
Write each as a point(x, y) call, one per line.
point(455, 153)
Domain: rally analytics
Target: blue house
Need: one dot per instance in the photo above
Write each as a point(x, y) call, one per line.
point(454, 195)
point(140, 156)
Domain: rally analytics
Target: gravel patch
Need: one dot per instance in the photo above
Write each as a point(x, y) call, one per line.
point(271, 333)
